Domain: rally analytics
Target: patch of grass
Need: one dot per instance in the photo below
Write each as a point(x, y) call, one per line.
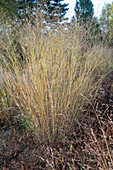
point(56, 82)
point(103, 148)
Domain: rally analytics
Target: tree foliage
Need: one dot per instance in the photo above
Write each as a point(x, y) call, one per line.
point(8, 10)
point(25, 10)
point(28, 8)
point(106, 21)
point(57, 10)
point(84, 10)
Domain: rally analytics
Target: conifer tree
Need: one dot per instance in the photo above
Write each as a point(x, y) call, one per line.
point(25, 10)
point(57, 10)
point(84, 10)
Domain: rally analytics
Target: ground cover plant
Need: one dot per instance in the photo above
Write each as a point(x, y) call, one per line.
point(52, 93)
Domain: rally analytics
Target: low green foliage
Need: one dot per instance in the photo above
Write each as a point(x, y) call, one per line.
point(6, 100)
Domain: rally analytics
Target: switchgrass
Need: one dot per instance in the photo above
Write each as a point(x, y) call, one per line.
point(103, 145)
point(102, 135)
point(55, 81)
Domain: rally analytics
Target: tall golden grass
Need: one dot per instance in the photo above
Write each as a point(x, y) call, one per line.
point(56, 79)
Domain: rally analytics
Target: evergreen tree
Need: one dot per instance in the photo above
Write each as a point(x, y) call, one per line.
point(84, 10)
point(24, 10)
point(27, 9)
point(56, 11)
point(53, 10)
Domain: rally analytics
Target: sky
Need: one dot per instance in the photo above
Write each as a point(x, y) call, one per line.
point(98, 5)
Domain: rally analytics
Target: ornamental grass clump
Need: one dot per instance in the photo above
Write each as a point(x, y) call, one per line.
point(54, 82)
